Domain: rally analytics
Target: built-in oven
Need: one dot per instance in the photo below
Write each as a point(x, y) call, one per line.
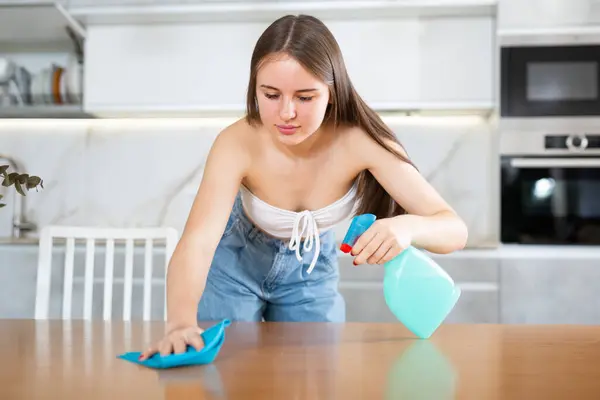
point(541, 79)
point(550, 187)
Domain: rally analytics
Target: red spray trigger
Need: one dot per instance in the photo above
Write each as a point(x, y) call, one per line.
point(359, 225)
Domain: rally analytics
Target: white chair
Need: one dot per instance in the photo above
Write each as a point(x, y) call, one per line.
point(90, 235)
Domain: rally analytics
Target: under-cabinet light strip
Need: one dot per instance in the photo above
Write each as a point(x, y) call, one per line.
point(159, 123)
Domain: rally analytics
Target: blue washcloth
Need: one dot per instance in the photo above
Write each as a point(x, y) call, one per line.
point(213, 340)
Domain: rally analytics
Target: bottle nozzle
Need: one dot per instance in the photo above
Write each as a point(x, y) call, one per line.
point(358, 226)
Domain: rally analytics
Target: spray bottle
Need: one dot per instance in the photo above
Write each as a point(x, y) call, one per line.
point(416, 289)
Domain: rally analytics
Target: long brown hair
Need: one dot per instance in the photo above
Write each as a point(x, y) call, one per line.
point(309, 41)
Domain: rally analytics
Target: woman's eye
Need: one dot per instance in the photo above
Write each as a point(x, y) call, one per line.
point(276, 96)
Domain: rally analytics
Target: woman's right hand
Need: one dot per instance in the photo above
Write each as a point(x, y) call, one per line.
point(176, 341)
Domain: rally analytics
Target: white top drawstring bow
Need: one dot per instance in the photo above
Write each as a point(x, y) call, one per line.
point(310, 231)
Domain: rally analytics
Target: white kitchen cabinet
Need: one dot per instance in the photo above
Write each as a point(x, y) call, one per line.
point(550, 290)
point(149, 68)
point(547, 14)
point(413, 63)
point(187, 68)
point(188, 57)
point(362, 288)
point(202, 67)
point(185, 11)
point(456, 62)
point(382, 58)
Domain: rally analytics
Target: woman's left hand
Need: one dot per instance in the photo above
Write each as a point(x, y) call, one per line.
point(384, 240)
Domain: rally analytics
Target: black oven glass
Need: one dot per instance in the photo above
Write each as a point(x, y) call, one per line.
point(550, 205)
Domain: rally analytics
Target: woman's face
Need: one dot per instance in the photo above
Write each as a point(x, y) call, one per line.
point(291, 101)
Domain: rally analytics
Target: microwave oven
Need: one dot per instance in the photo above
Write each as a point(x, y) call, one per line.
point(550, 80)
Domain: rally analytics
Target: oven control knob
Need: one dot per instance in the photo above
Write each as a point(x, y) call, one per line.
point(576, 142)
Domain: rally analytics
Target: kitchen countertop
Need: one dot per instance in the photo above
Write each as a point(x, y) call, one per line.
point(507, 251)
point(500, 251)
point(77, 360)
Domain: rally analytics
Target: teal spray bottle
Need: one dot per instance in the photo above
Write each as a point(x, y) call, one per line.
point(416, 289)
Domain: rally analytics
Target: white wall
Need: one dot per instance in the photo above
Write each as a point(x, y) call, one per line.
point(146, 172)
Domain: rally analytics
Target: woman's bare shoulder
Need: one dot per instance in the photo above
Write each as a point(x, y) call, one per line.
point(235, 139)
point(238, 130)
point(366, 148)
point(354, 142)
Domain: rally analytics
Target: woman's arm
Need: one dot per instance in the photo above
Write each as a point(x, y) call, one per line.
point(432, 224)
point(188, 269)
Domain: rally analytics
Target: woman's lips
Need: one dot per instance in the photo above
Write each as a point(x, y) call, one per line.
point(287, 129)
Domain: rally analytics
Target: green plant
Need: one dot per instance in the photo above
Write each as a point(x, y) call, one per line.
point(21, 182)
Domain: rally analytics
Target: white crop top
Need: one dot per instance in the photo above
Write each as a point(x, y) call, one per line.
point(306, 224)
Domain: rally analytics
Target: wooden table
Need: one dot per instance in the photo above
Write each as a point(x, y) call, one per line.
point(77, 360)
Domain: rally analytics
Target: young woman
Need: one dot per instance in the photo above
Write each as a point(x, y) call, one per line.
point(309, 154)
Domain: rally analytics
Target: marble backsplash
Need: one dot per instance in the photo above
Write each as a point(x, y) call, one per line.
point(146, 173)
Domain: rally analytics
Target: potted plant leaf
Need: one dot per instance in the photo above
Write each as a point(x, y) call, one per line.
point(21, 181)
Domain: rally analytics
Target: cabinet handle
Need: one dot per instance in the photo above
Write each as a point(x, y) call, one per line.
point(555, 162)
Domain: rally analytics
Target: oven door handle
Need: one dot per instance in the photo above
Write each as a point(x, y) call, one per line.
point(555, 162)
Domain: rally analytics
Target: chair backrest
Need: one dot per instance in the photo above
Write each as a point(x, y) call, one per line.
point(111, 236)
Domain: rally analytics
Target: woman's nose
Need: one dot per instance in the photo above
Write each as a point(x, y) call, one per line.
point(287, 111)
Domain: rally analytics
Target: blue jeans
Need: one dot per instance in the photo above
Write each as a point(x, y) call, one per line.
point(254, 276)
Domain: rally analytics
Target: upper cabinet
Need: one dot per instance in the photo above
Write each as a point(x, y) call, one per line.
point(456, 62)
point(188, 68)
point(178, 11)
point(192, 57)
point(552, 22)
point(169, 69)
point(428, 63)
point(400, 55)
point(547, 15)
